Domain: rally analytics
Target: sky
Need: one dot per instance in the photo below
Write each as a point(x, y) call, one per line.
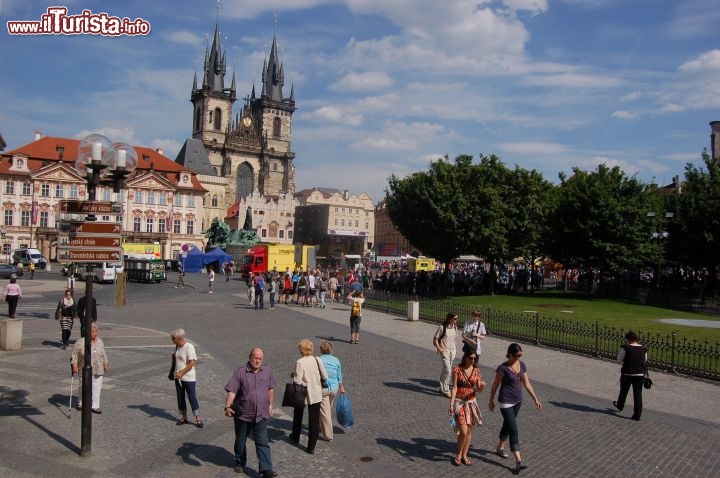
point(385, 86)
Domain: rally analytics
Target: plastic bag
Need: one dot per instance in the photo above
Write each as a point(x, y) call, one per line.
point(344, 411)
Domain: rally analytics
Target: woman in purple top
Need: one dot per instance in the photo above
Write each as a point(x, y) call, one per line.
point(510, 377)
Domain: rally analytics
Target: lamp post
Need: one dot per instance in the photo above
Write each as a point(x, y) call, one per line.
point(95, 155)
point(2, 235)
point(658, 234)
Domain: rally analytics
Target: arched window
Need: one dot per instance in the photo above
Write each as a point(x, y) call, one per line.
point(198, 119)
point(274, 168)
point(273, 229)
point(245, 181)
point(218, 119)
point(276, 127)
point(214, 201)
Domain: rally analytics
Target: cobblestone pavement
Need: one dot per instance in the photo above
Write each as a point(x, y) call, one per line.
point(401, 427)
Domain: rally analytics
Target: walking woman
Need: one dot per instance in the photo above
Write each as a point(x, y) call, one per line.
point(633, 357)
point(445, 340)
point(510, 377)
point(308, 371)
point(185, 361)
point(335, 387)
point(66, 313)
point(13, 293)
point(463, 405)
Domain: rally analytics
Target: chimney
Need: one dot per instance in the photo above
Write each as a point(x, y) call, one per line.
point(160, 151)
point(38, 134)
point(715, 140)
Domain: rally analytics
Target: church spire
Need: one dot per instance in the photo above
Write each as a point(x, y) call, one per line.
point(215, 62)
point(273, 77)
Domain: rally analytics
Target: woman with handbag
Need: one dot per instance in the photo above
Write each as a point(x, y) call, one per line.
point(309, 371)
point(633, 358)
point(463, 405)
point(335, 387)
point(13, 293)
point(66, 313)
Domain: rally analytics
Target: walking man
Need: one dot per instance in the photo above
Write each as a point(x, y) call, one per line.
point(250, 394)
point(181, 276)
point(211, 279)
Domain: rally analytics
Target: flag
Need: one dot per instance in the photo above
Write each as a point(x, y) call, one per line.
point(34, 212)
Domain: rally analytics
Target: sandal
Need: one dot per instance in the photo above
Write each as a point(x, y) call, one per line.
point(466, 461)
point(456, 462)
point(181, 421)
point(199, 424)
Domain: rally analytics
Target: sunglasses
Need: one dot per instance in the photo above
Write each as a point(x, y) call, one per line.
point(517, 355)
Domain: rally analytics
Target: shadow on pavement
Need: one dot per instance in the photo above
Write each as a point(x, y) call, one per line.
point(195, 453)
point(60, 439)
point(154, 412)
point(411, 388)
point(421, 448)
point(13, 403)
point(583, 408)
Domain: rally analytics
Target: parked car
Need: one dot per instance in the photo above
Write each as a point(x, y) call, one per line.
point(7, 270)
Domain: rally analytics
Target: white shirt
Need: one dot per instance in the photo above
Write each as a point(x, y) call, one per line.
point(182, 356)
point(472, 328)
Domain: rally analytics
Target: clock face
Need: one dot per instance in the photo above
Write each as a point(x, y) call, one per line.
point(185, 178)
point(19, 163)
point(247, 121)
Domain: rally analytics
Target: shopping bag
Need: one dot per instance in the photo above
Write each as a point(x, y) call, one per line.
point(344, 411)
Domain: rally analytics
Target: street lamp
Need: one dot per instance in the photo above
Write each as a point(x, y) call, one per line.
point(102, 163)
point(2, 235)
point(658, 235)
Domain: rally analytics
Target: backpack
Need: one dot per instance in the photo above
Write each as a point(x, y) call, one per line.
point(259, 284)
point(441, 336)
point(355, 312)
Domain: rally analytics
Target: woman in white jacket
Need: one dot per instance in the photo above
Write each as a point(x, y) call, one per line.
point(309, 370)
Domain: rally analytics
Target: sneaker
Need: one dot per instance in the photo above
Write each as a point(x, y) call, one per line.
point(239, 468)
point(501, 452)
point(520, 466)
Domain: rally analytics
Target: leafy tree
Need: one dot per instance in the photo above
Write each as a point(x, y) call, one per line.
point(696, 224)
point(600, 220)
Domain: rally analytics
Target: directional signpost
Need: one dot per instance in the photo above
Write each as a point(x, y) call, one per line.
point(90, 242)
point(86, 207)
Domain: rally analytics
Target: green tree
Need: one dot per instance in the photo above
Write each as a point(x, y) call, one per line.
point(600, 221)
point(696, 224)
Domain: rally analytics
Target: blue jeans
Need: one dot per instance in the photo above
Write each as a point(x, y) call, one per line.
point(262, 447)
point(259, 299)
point(509, 426)
point(272, 300)
point(188, 388)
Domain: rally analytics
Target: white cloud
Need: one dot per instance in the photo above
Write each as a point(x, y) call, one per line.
point(623, 114)
point(708, 62)
point(185, 38)
point(369, 80)
point(635, 95)
point(672, 108)
point(534, 6)
point(575, 80)
point(115, 134)
point(532, 148)
point(335, 114)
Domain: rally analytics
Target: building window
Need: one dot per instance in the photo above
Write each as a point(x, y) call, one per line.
point(357, 224)
point(276, 127)
point(9, 186)
point(136, 224)
point(214, 201)
point(25, 218)
point(191, 201)
point(26, 188)
point(162, 198)
point(337, 210)
point(336, 221)
point(8, 218)
point(138, 197)
point(106, 218)
point(367, 226)
point(44, 216)
point(191, 227)
point(274, 166)
point(7, 248)
point(245, 181)
point(290, 235)
point(149, 225)
point(218, 119)
point(151, 197)
point(177, 200)
point(73, 192)
point(342, 223)
point(107, 194)
point(45, 190)
point(263, 233)
point(161, 226)
point(176, 226)
point(59, 191)
point(281, 234)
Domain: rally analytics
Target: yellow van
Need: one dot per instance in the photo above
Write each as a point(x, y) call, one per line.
point(421, 264)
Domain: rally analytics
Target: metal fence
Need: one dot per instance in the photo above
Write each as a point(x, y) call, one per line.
point(667, 352)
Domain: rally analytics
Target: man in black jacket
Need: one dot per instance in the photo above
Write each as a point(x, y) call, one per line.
point(82, 308)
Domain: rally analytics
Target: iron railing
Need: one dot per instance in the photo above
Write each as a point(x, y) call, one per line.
point(666, 352)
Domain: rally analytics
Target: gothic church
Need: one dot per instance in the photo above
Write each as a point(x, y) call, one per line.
point(236, 156)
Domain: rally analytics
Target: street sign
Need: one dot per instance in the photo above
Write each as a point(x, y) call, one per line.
point(87, 255)
point(91, 227)
point(90, 207)
point(66, 241)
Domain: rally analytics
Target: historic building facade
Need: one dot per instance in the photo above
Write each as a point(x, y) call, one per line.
point(243, 154)
point(389, 242)
point(162, 202)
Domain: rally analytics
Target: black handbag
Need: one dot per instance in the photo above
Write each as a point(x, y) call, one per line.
point(647, 381)
point(171, 374)
point(323, 381)
point(295, 395)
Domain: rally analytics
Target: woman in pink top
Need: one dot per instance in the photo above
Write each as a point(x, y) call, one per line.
point(13, 293)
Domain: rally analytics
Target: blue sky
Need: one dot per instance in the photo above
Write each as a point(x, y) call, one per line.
point(385, 86)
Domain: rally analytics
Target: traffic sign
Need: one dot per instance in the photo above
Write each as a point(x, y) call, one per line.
point(66, 241)
point(90, 207)
point(87, 255)
point(91, 227)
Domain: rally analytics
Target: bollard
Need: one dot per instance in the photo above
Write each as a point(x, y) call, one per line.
point(413, 310)
point(11, 334)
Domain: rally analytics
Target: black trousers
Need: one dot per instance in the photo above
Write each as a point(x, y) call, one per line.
point(626, 381)
point(313, 425)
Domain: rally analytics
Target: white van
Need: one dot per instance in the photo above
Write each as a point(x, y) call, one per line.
point(104, 271)
point(26, 256)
